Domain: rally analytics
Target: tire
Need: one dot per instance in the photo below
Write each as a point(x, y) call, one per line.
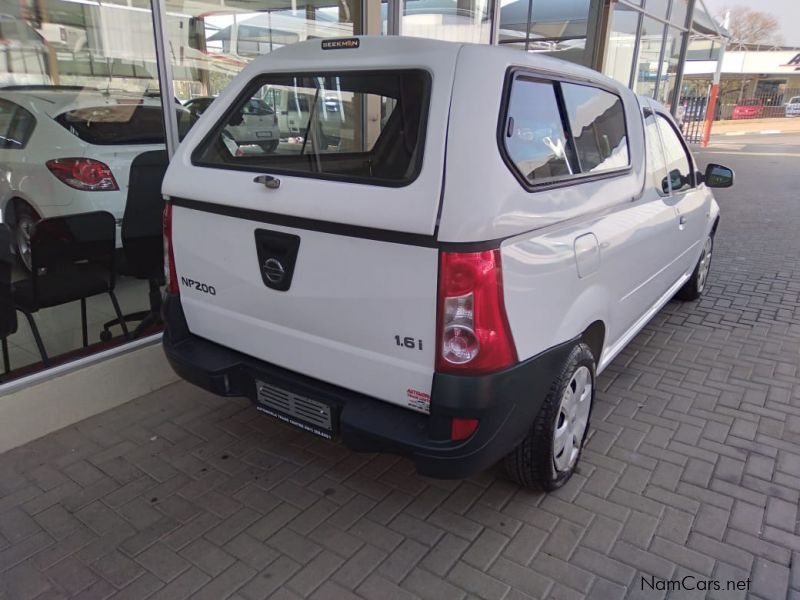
point(269, 147)
point(536, 463)
point(25, 219)
point(697, 283)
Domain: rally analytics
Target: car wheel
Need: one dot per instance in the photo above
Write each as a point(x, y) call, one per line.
point(547, 456)
point(25, 219)
point(269, 147)
point(697, 283)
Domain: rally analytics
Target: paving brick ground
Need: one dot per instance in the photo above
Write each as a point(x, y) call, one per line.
point(693, 468)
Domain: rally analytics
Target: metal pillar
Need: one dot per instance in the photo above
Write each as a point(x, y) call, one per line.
point(676, 93)
point(712, 100)
point(394, 17)
point(164, 65)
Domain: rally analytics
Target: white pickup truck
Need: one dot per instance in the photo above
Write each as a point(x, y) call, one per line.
point(448, 284)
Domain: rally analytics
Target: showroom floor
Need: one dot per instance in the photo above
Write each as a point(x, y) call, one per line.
point(692, 468)
point(60, 326)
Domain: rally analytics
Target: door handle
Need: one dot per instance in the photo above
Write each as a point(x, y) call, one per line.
point(682, 220)
point(269, 181)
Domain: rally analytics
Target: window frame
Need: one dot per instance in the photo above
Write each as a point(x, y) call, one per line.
point(659, 140)
point(18, 107)
point(526, 73)
point(692, 166)
point(261, 79)
point(561, 96)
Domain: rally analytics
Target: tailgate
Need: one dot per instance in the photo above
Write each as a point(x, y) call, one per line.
point(346, 222)
point(350, 305)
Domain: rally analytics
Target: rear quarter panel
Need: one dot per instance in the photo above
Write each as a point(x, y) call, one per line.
point(547, 303)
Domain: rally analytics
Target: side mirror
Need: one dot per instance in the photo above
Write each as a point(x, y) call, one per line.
point(717, 176)
point(237, 119)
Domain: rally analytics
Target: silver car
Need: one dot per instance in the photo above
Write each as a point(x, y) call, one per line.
point(257, 124)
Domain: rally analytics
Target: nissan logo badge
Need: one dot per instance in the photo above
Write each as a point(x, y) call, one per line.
point(273, 270)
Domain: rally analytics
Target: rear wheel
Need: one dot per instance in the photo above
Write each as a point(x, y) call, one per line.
point(547, 457)
point(25, 220)
point(269, 147)
point(696, 284)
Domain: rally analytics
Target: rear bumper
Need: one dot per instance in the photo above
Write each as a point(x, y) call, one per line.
point(505, 402)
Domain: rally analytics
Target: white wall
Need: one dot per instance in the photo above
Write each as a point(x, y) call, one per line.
point(41, 408)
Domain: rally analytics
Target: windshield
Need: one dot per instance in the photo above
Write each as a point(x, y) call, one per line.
point(348, 125)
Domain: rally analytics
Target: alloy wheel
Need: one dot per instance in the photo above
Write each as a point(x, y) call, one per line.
point(24, 230)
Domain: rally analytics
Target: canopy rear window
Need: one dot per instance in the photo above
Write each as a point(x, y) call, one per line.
point(364, 126)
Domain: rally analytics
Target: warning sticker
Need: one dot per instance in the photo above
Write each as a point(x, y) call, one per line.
point(419, 400)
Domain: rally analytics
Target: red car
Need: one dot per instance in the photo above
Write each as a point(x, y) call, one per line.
point(748, 109)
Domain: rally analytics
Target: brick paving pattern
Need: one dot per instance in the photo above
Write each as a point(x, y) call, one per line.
point(692, 468)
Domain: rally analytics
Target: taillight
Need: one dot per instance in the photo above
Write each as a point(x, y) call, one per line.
point(85, 174)
point(169, 256)
point(473, 335)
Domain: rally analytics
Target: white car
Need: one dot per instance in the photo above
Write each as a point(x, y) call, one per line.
point(450, 291)
point(68, 150)
point(793, 107)
point(255, 124)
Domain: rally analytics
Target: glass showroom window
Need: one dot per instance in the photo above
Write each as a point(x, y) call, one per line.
point(451, 20)
point(648, 64)
point(669, 66)
point(677, 15)
point(621, 44)
point(79, 107)
point(554, 27)
point(211, 41)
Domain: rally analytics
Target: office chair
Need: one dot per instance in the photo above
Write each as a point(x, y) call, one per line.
point(142, 237)
point(8, 314)
point(72, 259)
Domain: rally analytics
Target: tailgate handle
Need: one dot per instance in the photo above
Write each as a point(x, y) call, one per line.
point(269, 181)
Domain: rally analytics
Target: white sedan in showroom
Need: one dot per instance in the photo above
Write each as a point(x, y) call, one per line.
point(67, 150)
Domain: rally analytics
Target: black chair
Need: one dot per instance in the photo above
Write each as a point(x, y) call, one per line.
point(72, 259)
point(142, 237)
point(8, 314)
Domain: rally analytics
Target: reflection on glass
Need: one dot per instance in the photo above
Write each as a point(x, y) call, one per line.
point(655, 162)
point(657, 8)
point(621, 44)
point(79, 102)
point(669, 68)
point(451, 20)
point(534, 136)
point(597, 122)
point(678, 164)
point(211, 41)
point(554, 28)
point(364, 127)
point(647, 64)
point(678, 14)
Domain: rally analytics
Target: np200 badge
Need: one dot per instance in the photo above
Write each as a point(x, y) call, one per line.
point(199, 286)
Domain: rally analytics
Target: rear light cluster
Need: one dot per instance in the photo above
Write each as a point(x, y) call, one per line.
point(169, 257)
point(473, 332)
point(473, 335)
point(85, 174)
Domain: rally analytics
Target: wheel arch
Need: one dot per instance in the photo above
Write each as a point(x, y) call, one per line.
point(594, 336)
point(714, 226)
point(10, 209)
